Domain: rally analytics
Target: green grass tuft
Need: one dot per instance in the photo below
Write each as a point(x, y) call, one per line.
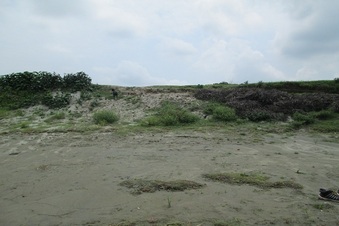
point(105, 117)
point(220, 112)
point(170, 114)
point(224, 114)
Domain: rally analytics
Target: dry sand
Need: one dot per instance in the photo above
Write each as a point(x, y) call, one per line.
point(73, 178)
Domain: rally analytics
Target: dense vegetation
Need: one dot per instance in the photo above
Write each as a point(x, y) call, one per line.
point(323, 86)
point(259, 104)
point(26, 89)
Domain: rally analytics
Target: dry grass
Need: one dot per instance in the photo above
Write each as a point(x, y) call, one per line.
point(254, 179)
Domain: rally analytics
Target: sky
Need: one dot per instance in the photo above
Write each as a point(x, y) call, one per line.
point(172, 42)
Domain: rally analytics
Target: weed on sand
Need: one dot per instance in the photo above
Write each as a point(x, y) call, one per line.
point(139, 186)
point(105, 117)
point(254, 179)
point(170, 114)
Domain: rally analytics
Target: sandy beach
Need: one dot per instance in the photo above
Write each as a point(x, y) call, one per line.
point(75, 178)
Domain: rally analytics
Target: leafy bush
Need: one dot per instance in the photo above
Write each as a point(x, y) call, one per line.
point(78, 81)
point(59, 100)
point(105, 117)
point(31, 81)
point(170, 114)
point(25, 89)
point(45, 81)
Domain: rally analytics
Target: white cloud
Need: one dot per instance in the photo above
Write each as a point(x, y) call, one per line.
point(128, 73)
point(172, 41)
point(177, 48)
point(306, 73)
point(312, 30)
point(118, 20)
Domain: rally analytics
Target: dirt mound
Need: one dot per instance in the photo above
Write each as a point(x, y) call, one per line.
point(261, 104)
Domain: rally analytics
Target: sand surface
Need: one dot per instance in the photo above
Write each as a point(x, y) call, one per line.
point(73, 178)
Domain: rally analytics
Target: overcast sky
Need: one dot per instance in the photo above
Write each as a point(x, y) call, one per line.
point(165, 42)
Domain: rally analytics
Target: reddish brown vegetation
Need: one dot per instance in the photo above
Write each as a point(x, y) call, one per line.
point(263, 104)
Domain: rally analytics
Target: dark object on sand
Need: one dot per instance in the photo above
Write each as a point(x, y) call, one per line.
point(328, 195)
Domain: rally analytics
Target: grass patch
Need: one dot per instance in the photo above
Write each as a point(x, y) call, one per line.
point(4, 113)
point(139, 186)
point(24, 124)
point(322, 121)
point(322, 206)
point(57, 116)
point(224, 114)
point(254, 179)
point(170, 114)
point(220, 112)
point(326, 126)
point(105, 117)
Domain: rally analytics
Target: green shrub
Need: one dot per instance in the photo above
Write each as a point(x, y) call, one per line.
point(324, 114)
point(105, 117)
point(220, 112)
point(77, 82)
point(223, 113)
point(59, 100)
point(209, 108)
point(170, 114)
point(31, 81)
point(305, 119)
